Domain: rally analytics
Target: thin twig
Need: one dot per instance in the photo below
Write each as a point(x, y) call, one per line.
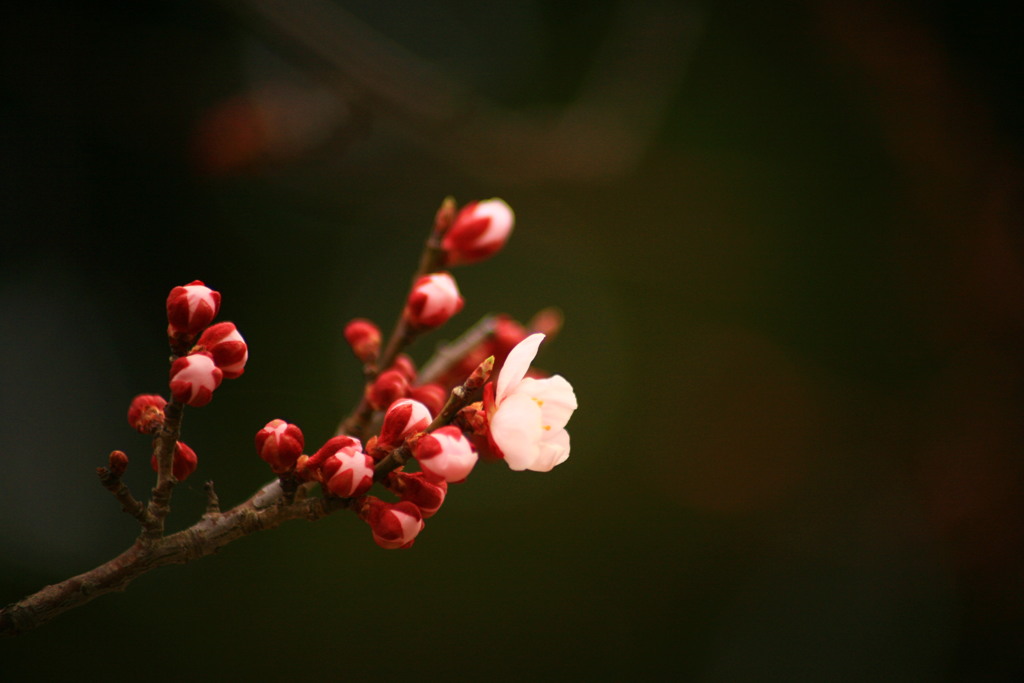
point(402, 335)
point(163, 448)
point(129, 503)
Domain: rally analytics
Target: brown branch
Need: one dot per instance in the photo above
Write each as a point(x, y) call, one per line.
point(163, 449)
point(129, 503)
point(209, 534)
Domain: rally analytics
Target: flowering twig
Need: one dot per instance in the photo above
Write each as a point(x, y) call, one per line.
point(521, 419)
point(403, 334)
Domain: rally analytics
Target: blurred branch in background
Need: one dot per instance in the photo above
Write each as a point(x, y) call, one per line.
point(601, 134)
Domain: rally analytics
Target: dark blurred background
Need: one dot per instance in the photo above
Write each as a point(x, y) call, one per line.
point(787, 241)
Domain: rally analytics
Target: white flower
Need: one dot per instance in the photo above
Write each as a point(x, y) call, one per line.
point(528, 416)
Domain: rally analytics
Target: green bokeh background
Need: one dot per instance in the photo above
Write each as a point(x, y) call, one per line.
point(794, 326)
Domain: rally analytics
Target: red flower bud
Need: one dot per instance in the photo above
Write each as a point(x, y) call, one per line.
point(318, 466)
point(389, 386)
point(480, 230)
point(403, 418)
point(364, 338)
point(507, 333)
point(193, 379)
point(227, 348)
point(146, 413)
point(433, 396)
point(351, 472)
point(433, 300)
point(418, 490)
point(185, 461)
point(191, 308)
point(394, 525)
point(117, 463)
point(404, 364)
point(280, 445)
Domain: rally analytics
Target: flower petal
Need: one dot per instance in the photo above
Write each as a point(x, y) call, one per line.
point(516, 365)
point(555, 397)
point(516, 429)
point(553, 450)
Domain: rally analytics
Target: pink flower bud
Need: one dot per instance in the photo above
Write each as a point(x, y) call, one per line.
point(185, 461)
point(319, 465)
point(480, 230)
point(418, 490)
point(403, 418)
point(193, 379)
point(350, 472)
point(146, 413)
point(445, 455)
point(389, 386)
point(191, 308)
point(280, 445)
point(364, 338)
point(394, 525)
point(433, 300)
point(433, 396)
point(229, 351)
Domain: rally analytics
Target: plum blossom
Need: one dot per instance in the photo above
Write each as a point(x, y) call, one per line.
point(527, 416)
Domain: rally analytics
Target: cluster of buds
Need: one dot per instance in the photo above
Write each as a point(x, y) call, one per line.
point(519, 417)
point(219, 353)
point(205, 354)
